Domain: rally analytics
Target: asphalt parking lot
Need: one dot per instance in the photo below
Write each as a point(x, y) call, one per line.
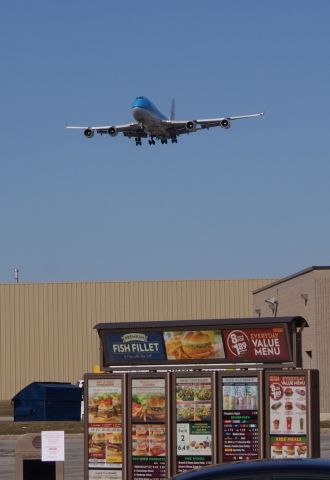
point(74, 452)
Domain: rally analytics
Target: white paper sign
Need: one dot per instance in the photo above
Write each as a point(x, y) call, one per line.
point(52, 446)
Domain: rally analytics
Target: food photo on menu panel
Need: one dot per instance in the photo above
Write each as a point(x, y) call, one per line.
point(240, 396)
point(194, 345)
point(105, 445)
point(97, 445)
point(114, 446)
point(193, 399)
point(104, 406)
point(288, 447)
point(149, 440)
point(148, 400)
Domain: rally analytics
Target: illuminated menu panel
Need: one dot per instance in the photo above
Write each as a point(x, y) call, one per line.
point(148, 428)
point(288, 416)
point(240, 417)
point(105, 435)
point(193, 422)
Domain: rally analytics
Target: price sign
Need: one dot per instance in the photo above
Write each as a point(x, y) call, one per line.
point(238, 343)
point(261, 344)
point(183, 438)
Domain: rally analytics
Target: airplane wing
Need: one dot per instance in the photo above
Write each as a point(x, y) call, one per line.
point(128, 130)
point(187, 126)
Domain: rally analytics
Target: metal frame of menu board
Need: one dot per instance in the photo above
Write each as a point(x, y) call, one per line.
point(107, 418)
point(239, 399)
point(147, 419)
point(292, 413)
point(192, 430)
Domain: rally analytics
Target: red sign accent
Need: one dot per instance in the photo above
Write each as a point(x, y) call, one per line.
point(267, 344)
point(276, 391)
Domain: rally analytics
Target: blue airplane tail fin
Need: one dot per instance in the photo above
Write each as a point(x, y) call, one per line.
point(172, 114)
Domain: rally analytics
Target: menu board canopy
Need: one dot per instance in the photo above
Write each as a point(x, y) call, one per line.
point(195, 342)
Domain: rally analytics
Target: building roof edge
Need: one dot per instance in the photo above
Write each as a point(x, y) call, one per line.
point(290, 277)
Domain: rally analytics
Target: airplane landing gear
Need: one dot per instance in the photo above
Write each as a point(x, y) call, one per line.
point(151, 140)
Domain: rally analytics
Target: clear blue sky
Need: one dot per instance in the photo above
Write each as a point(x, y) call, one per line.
point(252, 201)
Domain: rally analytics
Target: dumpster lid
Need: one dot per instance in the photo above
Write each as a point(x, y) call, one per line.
point(59, 391)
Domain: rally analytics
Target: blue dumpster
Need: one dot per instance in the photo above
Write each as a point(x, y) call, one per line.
point(41, 401)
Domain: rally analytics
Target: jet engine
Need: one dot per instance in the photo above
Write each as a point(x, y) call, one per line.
point(225, 123)
point(89, 133)
point(191, 125)
point(112, 131)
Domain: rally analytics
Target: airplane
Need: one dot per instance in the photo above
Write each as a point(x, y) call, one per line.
point(152, 124)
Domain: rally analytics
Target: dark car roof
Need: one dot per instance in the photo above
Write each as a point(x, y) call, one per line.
point(258, 466)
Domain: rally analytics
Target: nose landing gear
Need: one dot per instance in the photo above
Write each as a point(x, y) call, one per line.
point(138, 141)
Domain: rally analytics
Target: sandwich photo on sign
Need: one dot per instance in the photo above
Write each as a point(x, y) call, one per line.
point(114, 442)
point(148, 400)
point(105, 408)
point(97, 445)
point(193, 345)
point(148, 440)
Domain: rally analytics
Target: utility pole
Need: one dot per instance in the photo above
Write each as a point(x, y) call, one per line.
point(16, 274)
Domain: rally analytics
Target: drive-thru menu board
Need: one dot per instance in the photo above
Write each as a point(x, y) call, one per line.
point(190, 394)
point(240, 418)
point(105, 432)
point(148, 428)
point(288, 415)
point(193, 406)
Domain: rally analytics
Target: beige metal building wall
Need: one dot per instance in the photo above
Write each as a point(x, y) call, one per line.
point(46, 329)
point(306, 293)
